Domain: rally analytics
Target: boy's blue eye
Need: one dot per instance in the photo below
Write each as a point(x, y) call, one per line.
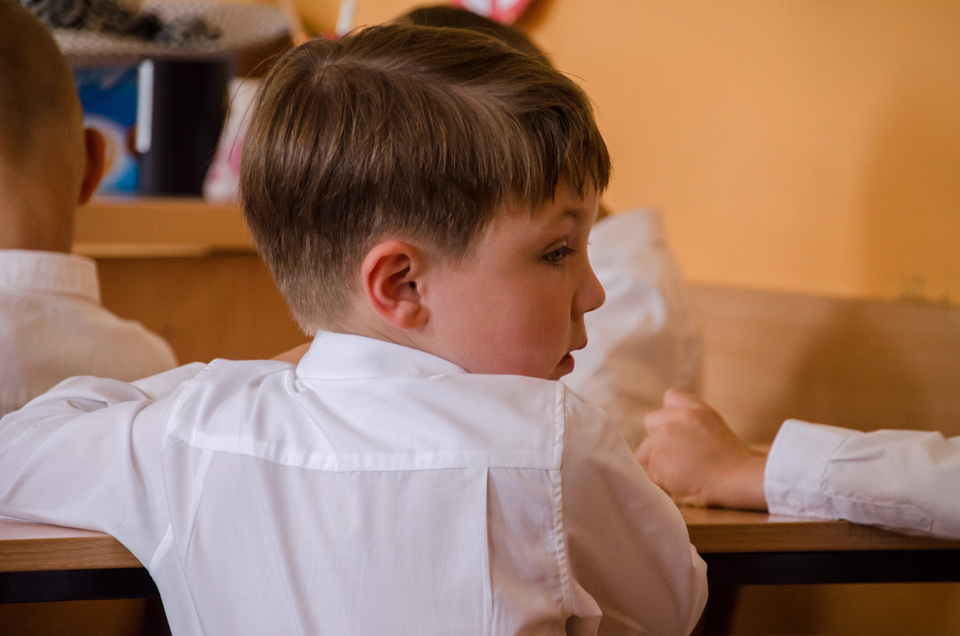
point(555, 257)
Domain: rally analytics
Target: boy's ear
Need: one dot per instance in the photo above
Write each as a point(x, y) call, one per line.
point(96, 147)
point(391, 272)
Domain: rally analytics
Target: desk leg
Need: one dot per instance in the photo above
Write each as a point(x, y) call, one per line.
point(154, 619)
point(717, 618)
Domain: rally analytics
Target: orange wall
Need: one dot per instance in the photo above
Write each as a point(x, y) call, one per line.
point(798, 145)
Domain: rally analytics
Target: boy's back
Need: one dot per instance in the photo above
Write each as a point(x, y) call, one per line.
point(374, 489)
point(52, 326)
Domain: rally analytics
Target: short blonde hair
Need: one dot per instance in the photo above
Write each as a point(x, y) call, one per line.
point(407, 132)
point(38, 96)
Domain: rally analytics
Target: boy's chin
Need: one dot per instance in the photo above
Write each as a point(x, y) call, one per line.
point(564, 368)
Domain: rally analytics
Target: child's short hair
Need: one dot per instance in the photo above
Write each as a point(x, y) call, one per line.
point(38, 97)
point(406, 132)
point(448, 16)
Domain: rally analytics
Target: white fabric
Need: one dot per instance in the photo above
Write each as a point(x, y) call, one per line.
point(646, 337)
point(52, 327)
point(899, 480)
point(372, 489)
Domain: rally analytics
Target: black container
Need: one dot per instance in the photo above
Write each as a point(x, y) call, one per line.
point(183, 105)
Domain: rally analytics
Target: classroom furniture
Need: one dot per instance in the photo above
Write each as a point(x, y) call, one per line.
point(750, 548)
point(40, 562)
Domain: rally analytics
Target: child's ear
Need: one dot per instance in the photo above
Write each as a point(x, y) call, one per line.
point(96, 148)
point(391, 272)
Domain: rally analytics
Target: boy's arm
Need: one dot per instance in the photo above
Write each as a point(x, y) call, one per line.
point(88, 454)
point(629, 550)
point(899, 480)
point(904, 481)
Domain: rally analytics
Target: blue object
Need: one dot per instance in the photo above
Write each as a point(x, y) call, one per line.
point(109, 99)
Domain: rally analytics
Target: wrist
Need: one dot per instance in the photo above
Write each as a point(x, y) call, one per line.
point(740, 486)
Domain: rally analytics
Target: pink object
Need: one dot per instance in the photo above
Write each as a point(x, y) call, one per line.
point(504, 11)
point(223, 178)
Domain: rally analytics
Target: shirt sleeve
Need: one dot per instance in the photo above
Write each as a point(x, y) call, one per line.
point(904, 481)
point(629, 550)
point(87, 454)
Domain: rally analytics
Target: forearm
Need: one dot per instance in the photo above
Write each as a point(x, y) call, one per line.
point(900, 480)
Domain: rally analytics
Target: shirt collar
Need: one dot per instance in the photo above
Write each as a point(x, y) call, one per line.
point(49, 272)
point(346, 356)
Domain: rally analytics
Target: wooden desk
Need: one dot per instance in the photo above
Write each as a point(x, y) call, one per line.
point(49, 563)
point(751, 548)
point(40, 562)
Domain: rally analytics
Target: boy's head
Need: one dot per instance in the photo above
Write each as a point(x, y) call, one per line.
point(381, 167)
point(48, 164)
point(447, 16)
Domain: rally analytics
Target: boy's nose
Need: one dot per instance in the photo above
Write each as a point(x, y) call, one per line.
point(591, 295)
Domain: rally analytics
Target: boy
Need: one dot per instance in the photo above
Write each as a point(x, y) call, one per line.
point(51, 324)
point(899, 480)
point(423, 200)
point(646, 337)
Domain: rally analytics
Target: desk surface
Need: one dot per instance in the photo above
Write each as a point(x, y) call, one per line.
point(28, 547)
point(715, 531)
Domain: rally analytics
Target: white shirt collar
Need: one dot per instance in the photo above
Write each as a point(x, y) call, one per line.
point(346, 356)
point(49, 272)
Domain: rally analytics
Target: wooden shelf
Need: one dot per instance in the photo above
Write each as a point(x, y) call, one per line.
point(141, 227)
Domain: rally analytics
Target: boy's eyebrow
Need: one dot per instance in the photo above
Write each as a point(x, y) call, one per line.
point(577, 214)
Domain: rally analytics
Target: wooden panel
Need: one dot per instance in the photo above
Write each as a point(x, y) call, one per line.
point(858, 364)
point(145, 227)
point(223, 306)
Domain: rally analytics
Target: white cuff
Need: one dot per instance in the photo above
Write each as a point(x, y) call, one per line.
point(795, 467)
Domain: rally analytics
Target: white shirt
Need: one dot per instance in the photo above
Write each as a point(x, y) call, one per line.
point(52, 327)
point(372, 489)
point(907, 481)
point(646, 337)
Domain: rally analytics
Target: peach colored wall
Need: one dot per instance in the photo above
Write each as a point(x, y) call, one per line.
point(796, 145)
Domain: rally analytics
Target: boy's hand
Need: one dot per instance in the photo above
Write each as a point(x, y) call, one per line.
point(691, 453)
point(293, 355)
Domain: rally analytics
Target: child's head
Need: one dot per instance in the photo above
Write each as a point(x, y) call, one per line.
point(47, 162)
point(447, 16)
point(381, 167)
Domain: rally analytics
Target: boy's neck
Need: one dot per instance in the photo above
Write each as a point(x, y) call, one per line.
point(363, 322)
point(34, 226)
